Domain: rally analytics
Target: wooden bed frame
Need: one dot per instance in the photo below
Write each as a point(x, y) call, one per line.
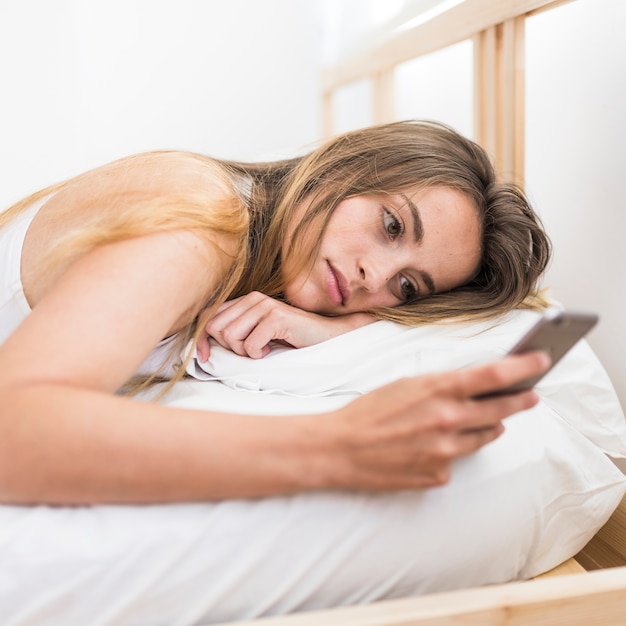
point(589, 589)
point(496, 28)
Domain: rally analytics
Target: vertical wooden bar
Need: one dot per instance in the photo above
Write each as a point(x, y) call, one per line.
point(477, 43)
point(485, 90)
point(511, 87)
point(499, 96)
point(327, 113)
point(383, 90)
point(519, 147)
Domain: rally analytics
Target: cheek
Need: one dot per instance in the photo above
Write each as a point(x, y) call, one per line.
point(294, 286)
point(346, 244)
point(303, 291)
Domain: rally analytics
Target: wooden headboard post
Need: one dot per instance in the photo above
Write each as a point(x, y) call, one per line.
point(499, 81)
point(497, 32)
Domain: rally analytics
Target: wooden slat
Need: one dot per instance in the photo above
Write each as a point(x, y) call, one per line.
point(591, 599)
point(571, 566)
point(486, 89)
point(327, 113)
point(510, 154)
point(384, 106)
point(499, 96)
point(458, 23)
point(552, 5)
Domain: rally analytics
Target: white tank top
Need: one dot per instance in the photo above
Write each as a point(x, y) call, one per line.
point(13, 304)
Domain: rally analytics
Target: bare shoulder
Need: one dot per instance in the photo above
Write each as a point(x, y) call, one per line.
point(130, 198)
point(151, 173)
point(100, 317)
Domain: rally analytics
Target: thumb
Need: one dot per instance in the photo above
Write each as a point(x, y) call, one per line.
point(203, 348)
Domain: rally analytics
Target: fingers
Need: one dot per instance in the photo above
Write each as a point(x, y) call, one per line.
point(441, 448)
point(408, 433)
point(473, 439)
point(486, 413)
point(420, 464)
point(225, 315)
point(203, 348)
point(214, 328)
point(233, 322)
point(445, 402)
point(460, 444)
point(486, 379)
point(248, 324)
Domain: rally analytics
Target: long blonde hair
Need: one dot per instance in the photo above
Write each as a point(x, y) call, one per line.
point(217, 212)
point(256, 204)
point(395, 158)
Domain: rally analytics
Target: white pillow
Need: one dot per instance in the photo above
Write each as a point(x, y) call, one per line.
point(578, 388)
point(516, 508)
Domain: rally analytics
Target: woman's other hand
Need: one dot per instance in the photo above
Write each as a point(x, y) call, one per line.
point(248, 324)
point(406, 434)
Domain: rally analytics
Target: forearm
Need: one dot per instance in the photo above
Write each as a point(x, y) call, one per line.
point(60, 445)
point(322, 328)
point(248, 324)
point(346, 323)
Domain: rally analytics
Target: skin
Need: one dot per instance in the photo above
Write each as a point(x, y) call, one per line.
point(377, 251)
point(96, 319)
point(371, 255)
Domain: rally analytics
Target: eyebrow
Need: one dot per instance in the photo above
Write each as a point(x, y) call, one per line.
point(418, 234)
point(428, 280)
point(418, 228)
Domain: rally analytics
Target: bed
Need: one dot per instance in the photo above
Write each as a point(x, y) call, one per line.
point(530, 530)
point(515, 510)
point(562, 595)
point(558, 597)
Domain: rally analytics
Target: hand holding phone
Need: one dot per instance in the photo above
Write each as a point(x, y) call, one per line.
point(555, 333)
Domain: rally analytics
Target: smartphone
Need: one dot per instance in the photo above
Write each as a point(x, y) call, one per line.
point(556, 332)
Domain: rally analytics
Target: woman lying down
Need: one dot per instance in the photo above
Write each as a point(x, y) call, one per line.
point(105, 272)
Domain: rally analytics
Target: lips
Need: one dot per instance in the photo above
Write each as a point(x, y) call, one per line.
point(336, 286)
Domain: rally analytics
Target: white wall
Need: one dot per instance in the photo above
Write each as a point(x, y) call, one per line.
point(436, 86)
point(575, 135)
point(86, 81)
point(576, 161)
point(439, 86)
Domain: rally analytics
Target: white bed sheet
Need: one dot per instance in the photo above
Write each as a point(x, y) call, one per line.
point(516, 508)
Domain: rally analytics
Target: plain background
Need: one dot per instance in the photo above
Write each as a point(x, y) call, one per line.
point(87, 81)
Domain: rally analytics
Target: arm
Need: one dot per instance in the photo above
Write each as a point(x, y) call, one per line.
point(65, 438)
point(248, 324)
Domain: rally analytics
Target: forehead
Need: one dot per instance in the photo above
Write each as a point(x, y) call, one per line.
point(438, 202)
point(419, 204)
point(450, 246)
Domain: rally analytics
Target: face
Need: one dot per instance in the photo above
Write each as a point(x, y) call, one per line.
point(386, 250)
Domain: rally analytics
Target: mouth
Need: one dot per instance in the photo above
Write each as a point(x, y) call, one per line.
point(336, 286)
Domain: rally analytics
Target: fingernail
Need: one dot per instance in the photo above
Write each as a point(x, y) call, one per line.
point(546, 360)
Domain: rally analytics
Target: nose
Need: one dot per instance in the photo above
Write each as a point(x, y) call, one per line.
point(373, 276)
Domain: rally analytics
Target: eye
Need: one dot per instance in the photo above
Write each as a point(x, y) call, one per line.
point(408, 291)
point(392, 225)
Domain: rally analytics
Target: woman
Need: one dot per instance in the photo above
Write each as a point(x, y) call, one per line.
point(133, 260)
